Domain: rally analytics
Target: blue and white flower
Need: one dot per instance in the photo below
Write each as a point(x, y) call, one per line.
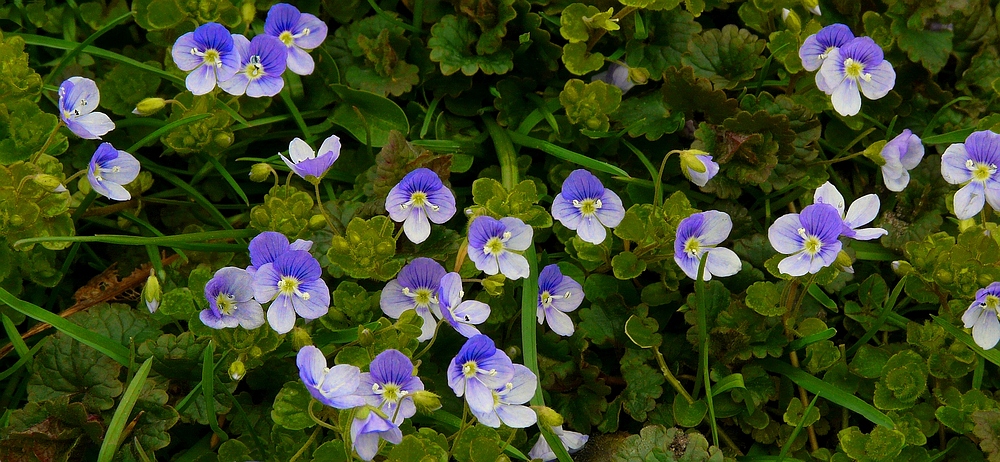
point(901, 154)
point(269, 245)
point(262, 61)
point(557, 295)
point(572, 441)
point(415, 288)
point(367, 428)
point(294, 281)
point(230, 301)
point(493, 243)
point(974, 164)
point(477, 370)
point(311, 165)
point(811, 239)
point(208, 54)
point(981, 316)
point(858, 64)
point(463, 316)
point(698, 167)
point(420, 196)
point(817, 47)
point(78, 97)
point(299, 32)
point(109, 170)
point(508, 402)
point(862, 211)
point(584, 205)
point(389, 384)
point(335, 386)
point(699, 234)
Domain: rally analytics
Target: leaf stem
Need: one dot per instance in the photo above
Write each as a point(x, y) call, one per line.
point(431, 343)
point(670, 376)
point(48, 141)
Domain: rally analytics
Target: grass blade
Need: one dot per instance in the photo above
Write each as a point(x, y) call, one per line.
point(990, 355)
point(165, 129)
point(75, 51)
point(112, 349)
point(803, 342)
point(20, 362)
point(227, 176)
point(194, 241)
point(565, 154)
point(882, 316)
point(193, 193)
point(113, 437)
point(830, 392)
point(15, 337)
point(795, 433)
point(208, 388)
point(957, 136)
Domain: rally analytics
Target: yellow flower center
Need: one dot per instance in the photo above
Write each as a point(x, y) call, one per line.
point(418, 198)
point(212, 58)
point(588, 206)
point(812, 245)
point(226, 304)
point(289, 286)
point(423, 297)
point(254, 69)
point(469, 369)
point(494, 246)
point(287, 38)
point(980, 171)
point(692, 246)
point(856, 70)
point(992, 302)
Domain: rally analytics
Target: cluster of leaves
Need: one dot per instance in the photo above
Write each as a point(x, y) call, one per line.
point(866, 364)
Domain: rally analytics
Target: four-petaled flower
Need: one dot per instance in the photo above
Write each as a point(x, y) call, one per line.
point(981, 316)
point(208, 54)
point(477, 370)
point(299, 32)
point(367, 428)
point(262, 60)
point(111, 168)
point(811, 239)
point(230, 301)
point(492, 241)
point(388, 385)
point(78, 97)
point(294, 281)
point(699, 234)
point(572, 441)
point(335, 386)
point(460, 315)
point(508, 402)
point(859, 63)
point(698, 167)
point(586, 206)
point(901, 155)
point(974, 163)
point(309, 164)
point(269, 245)
point(861, 212)
point(415, 288)
point(557, 295)
point(420, 196)
point(817, 47)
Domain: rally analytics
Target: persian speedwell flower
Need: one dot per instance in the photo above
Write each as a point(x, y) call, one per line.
point(335, 386)
point(698, 166)
point(309, 164)
point(817, 47)
point(492, 241)
point(294, 281)
point(230, 301)
point(861, 212)
point(557, 295)
point(859, 63)
point(208, 54)
point(622, 77)
point(109, 170)
point(299, 32)
point(389, 384)
point(809, 238)
point(420, 196)
point(268, 246)
point(508, 401)
point(78, 97)
point(460, 315)
point(699, 234)
point(901, 155)
point(974, 163)
point(477, 370)
point(982, 316)
point(585, 206)
point(262, 61)
point(415, 288)
point(367, 428)
point(572, 441)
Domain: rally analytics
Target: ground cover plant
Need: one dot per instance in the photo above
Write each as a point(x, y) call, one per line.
point(483, 230)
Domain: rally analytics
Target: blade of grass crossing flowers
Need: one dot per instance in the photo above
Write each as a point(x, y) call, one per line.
point(565, 154)
point(208, 388)
point(699, 288)
point(200, 199)
point(883, 315)
point(15, 337)
point(112, 349)
point(179, 240)
point(164, 130)
point(830, 393)
point(286, 96)
point(112, 439)
point(226, 176)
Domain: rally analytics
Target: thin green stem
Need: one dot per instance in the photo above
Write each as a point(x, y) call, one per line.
point(302, 450)
point(431, 343)
point(703, 348)
point(670, 376)
point(322, 210)
point(658, 184)
point(319, 422)
point(621, 14)
point(505, 153)
point(48, 141)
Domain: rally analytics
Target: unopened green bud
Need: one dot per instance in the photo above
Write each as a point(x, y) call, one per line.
point(224, 139)
point(365, 336)
point(152, 292)
point(237, 370)
point(255, 351)
point(47, 182)
point(317, 222)
point(638, 75)
point(812, 6)
point(902, 267)
point(300, 338)
point(426, 401)
point(260, 172)
point(966, 224)
point(844, 262)
point(548, 416)
point(792, 20)
point(362, 412)
point(874, 152)
point(248, 11)
point(149, 106)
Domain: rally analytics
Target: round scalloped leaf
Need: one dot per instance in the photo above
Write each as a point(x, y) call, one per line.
point(451, 44)
point(726, 57)
point(580, 61)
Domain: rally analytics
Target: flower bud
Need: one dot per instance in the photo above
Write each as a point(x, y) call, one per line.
point(902, 267)
point(966, 224)
point(812, 6)
point(844, 262)
point(47, 182)
point(149, 106)
point(689, 159)
point(792, 20)
point(317, 222)
point(237, 370)
point(152, 292)
point(260, 172)
point(248, 11)
point(300, 338)
point(548, 416)
point(223, 140)
point(426, 401)
point(638, 75)
point(874, 152)
point(365, 336)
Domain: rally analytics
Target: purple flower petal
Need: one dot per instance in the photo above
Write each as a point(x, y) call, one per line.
point(316, 35)
point(281, 17)
point(299, 61)
point(784, 234)
point(953, 161)
point(266, 247)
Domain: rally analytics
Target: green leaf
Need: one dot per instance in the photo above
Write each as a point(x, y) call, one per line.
point(795, 414)
point(577, 20)
point(589, 104)
point(19, 80)
point(879, 445)
point(361, 112)
point(367, 249)
point(765, 298)
point(958, 408)
point(66, 367)
point(289, 409)
point(493, 25)
point(48, 430)
point(689, 415)
point(904, 379)
point(877, 27)
point(930, 48)
point(627, 266)
point(451, 44)
point(668, 33)
point(24, 129)
point(643, 384)
point(987, 428)
point(642, 330)
point(647, 115)
point(579, 60)
point(113, 437)
point(684, 92)
point(475, 443)
point(726, 57)
point(330, 451)
point(656, 443)
point(493, 199)
point(124, 86)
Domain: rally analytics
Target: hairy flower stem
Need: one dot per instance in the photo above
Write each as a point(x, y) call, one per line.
point(48, 141)
point(309, 442)
point(322, 210)
point(670, 377)
point(703, 370)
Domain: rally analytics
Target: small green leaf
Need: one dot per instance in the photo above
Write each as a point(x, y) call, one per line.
point(589, 104)
point(367, 249)
point(627, 266)
point(929, 47)
point(794, 414)
point(643, 331)
point(879, 445)
point(290, 406)
point(361, 112)
point(726, 57)
point(451, 44)
point(765, 298)
point(579, 60)
point(689, 415)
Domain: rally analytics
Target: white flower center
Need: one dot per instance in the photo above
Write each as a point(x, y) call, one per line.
point(547, 297)
point(254, 69)
point(288, 39)
point(471, 368)
point(289, 286)
point(209, 56)
point(422, 297)
point(419, 199)
point(856, 70)
point(980, 171)
point(226, 304)
point(588, 207)
point(391, 393)
point(811, 245)
point(495, 245)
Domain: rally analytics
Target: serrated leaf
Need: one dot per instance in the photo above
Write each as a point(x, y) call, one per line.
point(881, 444)
point(627, 266)
point(451, 44)
point(642, 331)
point(65, 367)
point(684, 92)
point(930, 48)
point(589, 104)
point(367, 249)
point(726, 57)
point(647, 115)
point(643, 384)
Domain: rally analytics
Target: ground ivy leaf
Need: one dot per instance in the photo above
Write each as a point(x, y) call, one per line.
point(290, 406)
point(66, 367)
point(655, 442)
point(367, 249)
point(668, 33)
point(643, 383)
point(176, 356)
point(18, 80)
point(647, 115)
point(881, 444)
point(492, 17)
point(765, 298)
point(726, 57)
point(579, 60)
point(23, 130)
point(689, 414)
point(684, 92)
point(450, 43)
point(903, 380)
point(589, 104)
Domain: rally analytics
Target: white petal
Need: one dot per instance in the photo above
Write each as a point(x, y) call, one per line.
point(716, 227)
point(846, 98)
point(828, 194)
point(722, 262)
point(883, 78)
point(953, 167)
point(862, 211)
point(986, 332)
point(299, 150)
point(969, 200)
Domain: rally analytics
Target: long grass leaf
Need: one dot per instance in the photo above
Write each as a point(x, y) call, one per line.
point(177, 240)
point(990, 355)
point(830, 393)
point(208, 389)
point(226, 176)
point(113, 437)
point(112, 349)
point(565, 154)
point(883, 314)
point(15, 337)
point(156, 134)
point(957, 136)
point(20, 363)
point(795, 433)
point(197, 196)
point(76, 50)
